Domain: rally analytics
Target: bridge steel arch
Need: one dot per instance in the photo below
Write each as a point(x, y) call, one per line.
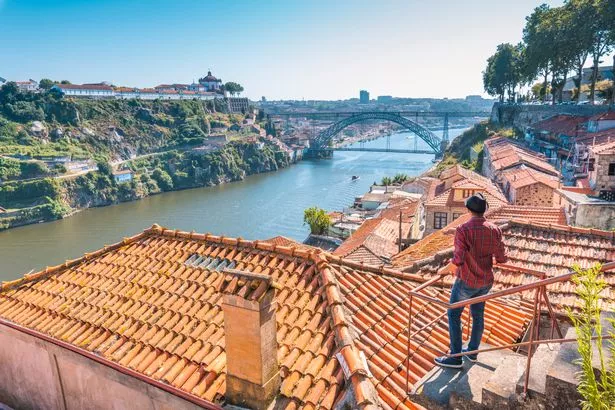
point(437, 144)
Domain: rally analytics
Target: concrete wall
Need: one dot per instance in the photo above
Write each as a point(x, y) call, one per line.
point(595, 216)
point(521, 116)
point(40, 375)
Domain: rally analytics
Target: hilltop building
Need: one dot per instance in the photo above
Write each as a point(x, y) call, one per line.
point(211, 83)
point(27, 86)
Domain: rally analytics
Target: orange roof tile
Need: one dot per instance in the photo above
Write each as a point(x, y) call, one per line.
point(546, 215)
point(377, 236)
point(562, 124)
point(607, 148)
point(524, 176)
point(152, 303)
point(543, 247)
point(458, 171)
point(494, 196)
point(505, 153)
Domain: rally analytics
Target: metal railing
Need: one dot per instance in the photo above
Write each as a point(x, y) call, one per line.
point(540, 296)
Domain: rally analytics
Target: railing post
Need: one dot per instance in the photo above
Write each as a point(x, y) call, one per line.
point(531, 345)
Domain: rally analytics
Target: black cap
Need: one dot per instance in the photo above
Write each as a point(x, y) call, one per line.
point(477, 203)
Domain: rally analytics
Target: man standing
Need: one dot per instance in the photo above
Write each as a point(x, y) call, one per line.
point(477, 242)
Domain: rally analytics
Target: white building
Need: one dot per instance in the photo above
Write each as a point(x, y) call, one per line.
point(210, 82)
point(27, 86)
point(85, 90)
point(105, 91)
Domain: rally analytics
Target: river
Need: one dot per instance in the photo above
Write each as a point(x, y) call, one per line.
point(259, 207)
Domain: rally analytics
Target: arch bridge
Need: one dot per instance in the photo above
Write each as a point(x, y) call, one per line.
point(322, 141)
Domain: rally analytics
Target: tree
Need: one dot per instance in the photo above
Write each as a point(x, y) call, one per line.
point(538, 39)
point(46, 84)
point(317, 219)
point(9, 92)
point(581, 38)
point(599, 17)
point(504, 72)
point(233, 88)
point(399, 179)
point(387, 181)
point(104, 168)
point(163, 179)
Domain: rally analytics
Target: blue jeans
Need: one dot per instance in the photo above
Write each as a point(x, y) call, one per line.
point(461, 292)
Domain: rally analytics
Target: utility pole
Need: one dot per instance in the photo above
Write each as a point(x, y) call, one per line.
point(399, 247)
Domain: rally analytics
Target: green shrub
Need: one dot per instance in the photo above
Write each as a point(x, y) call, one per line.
point(317, 219)
point(598, 391)
point(163, 179)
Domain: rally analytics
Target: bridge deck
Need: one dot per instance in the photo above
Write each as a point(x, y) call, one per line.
point(392, 150)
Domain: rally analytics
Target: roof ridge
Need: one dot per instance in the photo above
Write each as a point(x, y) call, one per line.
point(565, 228)
point(51, 270)
point(353, 364)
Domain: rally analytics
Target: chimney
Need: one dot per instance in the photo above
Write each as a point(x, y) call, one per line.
point(252, 371)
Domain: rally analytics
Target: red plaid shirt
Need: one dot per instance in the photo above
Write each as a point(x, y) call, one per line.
point(476, 243)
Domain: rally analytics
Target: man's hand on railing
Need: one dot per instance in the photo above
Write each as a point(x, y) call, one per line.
point(449, 269)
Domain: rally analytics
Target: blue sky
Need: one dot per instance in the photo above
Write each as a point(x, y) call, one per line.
point(316, 49)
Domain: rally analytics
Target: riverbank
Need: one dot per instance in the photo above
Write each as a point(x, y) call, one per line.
point(259, 206)
point(50, 199)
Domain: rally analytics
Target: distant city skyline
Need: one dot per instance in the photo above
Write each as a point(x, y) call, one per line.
point(277, 49)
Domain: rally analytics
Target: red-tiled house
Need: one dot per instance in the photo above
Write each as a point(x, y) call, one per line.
point(526, 186)
point(450, 204)
point(375, 241)
point(159, 321)
point(544, 247)
point(502, 153)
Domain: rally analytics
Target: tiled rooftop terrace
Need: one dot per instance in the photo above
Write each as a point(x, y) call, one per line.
point(152, 303)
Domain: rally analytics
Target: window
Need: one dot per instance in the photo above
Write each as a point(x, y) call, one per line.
point(467, 193)
point(612, 169)
point(591, 164)
point(439, 220)
point(456, 215)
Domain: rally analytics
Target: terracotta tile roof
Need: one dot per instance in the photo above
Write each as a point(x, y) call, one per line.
point(494, 196)
point(546, 215)
point(84, 87)
point(562, 124)
point(607, 148)
point(459, 171)
point(543, 247)
point(430, 245)
point(505, 153)
point(524, 176)
point(152, 303)
point(609, 115)
point(377, 236)
point(594, 138)
point(428, 185)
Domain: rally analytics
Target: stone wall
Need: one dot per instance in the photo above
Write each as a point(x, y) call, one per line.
point(522, 116)
point(601, 179)
point(37, 374)
point(533, 195)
